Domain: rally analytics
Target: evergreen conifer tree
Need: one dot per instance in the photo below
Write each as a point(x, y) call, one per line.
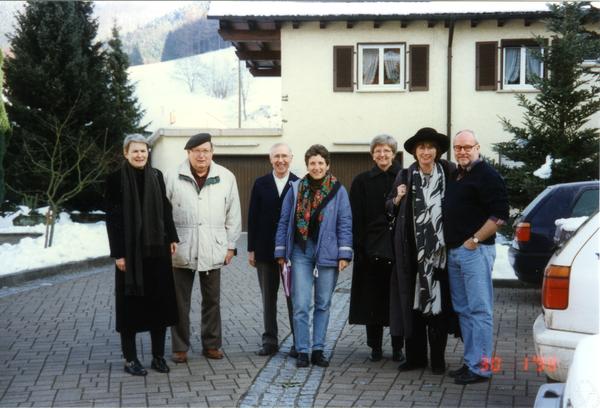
point(124, 111)
point(57, 83)
point(135, 57)
point(556, 122)
point(4, 128)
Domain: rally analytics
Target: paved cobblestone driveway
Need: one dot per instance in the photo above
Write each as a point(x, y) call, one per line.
point(58, 348)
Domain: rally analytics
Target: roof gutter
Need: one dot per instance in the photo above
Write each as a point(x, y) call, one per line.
point(449, 85)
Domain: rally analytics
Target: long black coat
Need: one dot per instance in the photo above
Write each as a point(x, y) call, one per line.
point(405, 268)
point(372, 241)
point(158, 307)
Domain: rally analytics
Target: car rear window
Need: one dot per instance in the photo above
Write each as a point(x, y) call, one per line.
point(556, 206)
point(586, 204)
point(536, 200)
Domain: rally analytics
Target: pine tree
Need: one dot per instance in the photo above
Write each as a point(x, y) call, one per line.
point(124, 111)
point(4, 129)
point(556, 122)
point(56, 79)
point(135, 57)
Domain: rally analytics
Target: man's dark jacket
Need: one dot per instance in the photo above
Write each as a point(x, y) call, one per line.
point(263, 215)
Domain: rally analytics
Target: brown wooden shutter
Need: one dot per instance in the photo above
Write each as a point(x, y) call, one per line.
point(419, 67)
point(343, 65)
point(486, 66)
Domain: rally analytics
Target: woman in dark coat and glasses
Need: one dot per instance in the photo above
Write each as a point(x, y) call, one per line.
point(373, 253)
point(142, 238)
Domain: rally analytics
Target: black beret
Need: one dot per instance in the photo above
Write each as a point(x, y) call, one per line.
point(427, 134)
point(197, 140)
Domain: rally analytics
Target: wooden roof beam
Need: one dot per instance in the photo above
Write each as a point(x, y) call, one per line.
point(295, 24)
point(322, 24)
point(258, 55)
point(431, 23)
point(376, 24)
point(474, 23)
point(349, 24)
point(501, 22)
point(269, 72)
point(248, 35)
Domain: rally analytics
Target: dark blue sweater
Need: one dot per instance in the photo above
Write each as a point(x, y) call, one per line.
point(469, 202)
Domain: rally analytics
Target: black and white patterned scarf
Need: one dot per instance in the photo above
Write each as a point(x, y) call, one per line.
point(428, 191)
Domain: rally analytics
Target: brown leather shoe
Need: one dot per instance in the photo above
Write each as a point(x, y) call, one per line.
point(179, 357)
point(215, 354)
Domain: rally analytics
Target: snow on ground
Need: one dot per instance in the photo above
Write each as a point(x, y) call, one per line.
point(77, 242)
point(72, 242)
point(169, 103)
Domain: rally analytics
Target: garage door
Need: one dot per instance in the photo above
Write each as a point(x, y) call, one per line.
point(345, 166)
point(246, 170)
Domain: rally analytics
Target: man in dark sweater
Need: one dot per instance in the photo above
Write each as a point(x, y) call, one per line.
point(475, 205)
point(263, 216)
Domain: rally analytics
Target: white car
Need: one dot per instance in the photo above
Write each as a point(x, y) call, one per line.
point(570, 300)
point(582, 389)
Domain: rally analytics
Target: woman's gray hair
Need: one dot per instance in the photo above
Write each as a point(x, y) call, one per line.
point(384, 140)
point(134, 137)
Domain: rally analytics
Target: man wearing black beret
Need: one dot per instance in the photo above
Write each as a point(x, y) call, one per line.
point(206, 211)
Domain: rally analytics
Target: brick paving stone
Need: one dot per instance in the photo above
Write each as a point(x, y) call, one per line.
point(58, 347)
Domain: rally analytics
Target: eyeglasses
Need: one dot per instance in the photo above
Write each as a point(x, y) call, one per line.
point(201, 152)
point(466, 148)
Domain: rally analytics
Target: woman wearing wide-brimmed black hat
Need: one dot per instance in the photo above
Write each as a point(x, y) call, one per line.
point(420, 305)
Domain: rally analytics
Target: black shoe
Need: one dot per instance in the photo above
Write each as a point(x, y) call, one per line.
point(159, 364)
point(293, 353)
point(470, 378)
point(267, 350)
point(459, 372)
point(397, 355)
point(302, 360)
point(134, 367)
point(438, 370)
point(376, 355)
point(317, 358)
point(406, 366)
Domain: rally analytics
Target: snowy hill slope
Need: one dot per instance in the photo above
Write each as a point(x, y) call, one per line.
point(170, 104)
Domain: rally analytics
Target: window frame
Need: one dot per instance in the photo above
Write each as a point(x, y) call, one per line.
point(523, 45)
point(380, 46)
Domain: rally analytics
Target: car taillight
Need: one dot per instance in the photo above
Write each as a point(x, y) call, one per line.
point(555, 289)
point(523, 232)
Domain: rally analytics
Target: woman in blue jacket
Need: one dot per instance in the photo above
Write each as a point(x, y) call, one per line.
point(314, 235)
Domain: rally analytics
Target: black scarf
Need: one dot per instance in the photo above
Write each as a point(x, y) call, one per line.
point(143, 219)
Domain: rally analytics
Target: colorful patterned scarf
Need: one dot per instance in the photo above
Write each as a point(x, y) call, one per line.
point(309, 204)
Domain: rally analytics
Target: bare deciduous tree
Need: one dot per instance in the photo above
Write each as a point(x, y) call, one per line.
point(58, 159)
point(189, 71)
point(218, 79)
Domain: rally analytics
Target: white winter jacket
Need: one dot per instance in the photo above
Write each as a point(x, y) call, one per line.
point(208, 221)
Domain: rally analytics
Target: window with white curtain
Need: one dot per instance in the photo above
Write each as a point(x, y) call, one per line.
point(521, 64)
point(381, 67)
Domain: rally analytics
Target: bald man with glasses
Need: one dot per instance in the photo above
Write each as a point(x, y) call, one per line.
point(475, 205)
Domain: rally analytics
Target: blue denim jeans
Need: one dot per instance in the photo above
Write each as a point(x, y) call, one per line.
point(470, 275)
point(303, 281)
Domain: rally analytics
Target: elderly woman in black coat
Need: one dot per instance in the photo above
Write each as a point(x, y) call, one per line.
point(142, 238)
point(373, 254)
point(420, 305)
